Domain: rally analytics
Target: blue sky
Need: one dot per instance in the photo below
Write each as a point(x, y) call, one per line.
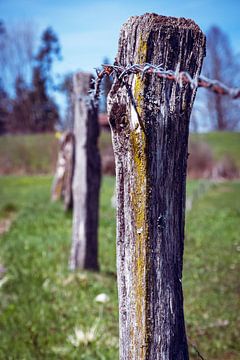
point(89, 30)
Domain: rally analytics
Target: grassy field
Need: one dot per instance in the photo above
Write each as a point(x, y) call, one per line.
point(28, 154)
point(222, 144)
point(36, 154)
point(42, 304)
point(211, 272)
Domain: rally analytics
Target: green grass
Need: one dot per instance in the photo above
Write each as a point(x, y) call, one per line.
point(222, 144)
point(211, 272)
point(42, 303)
point(37, 153)
point(28, 154)
point(34, 154)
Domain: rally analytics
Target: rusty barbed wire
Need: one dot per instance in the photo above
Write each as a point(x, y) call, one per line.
point(181, 77)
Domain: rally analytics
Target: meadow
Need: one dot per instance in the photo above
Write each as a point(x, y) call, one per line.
point(36, 154)
point(47, 312)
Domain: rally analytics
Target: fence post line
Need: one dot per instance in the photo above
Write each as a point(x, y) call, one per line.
point(86, 178)
point(62, 182)
point(150, 137)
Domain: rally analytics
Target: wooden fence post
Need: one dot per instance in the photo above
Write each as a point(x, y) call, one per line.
point(150, 141)
point(86, 178)
point(62, 182)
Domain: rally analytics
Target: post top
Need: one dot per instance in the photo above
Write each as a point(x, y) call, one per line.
point(82, 82)
point(155, 20)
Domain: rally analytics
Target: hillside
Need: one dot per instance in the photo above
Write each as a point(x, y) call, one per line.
point(37, 153)
point(222, 144)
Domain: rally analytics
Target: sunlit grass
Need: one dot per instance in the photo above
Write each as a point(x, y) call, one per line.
point(37, 153)
point(222, 143)
point(47, 312)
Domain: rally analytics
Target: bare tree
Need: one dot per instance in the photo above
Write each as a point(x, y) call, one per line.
point(221, 64)
point(17, 53)
point(5, 106)
point(3, 52)
point(66, 87)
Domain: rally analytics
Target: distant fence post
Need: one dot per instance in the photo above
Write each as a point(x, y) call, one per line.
point(150, 139)
point(86, 178)
point(62, 182)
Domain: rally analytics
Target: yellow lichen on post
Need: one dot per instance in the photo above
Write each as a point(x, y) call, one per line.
point(139, 84)
point(142, 51)
point(138, 198)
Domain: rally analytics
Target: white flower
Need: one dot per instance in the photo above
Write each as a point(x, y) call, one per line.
point(102, 298)
point(3, 281)
point(81, 337)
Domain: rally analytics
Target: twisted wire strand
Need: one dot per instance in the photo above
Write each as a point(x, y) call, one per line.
point(181, 77)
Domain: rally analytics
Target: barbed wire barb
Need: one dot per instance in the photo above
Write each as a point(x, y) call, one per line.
point(181, 77)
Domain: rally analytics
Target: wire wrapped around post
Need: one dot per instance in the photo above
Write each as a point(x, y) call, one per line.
point(181, 77)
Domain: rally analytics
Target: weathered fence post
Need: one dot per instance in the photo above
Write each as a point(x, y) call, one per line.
point(150, 137)
point(62, 182)
point(86, 178)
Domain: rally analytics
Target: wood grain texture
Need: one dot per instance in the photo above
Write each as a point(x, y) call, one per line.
point(86, 179)
point(151, 184)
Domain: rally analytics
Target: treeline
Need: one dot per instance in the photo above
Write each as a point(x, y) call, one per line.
point(214, 112)
point(26, 83)
point(25, 80)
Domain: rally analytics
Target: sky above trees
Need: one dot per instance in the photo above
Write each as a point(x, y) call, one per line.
point(89, 30)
